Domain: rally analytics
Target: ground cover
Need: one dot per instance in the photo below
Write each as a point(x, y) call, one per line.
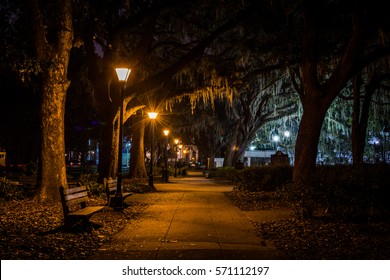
point(317, 238)
point(35, 231)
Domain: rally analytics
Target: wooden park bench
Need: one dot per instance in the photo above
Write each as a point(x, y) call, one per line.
point(110, 186)
point(74, 204)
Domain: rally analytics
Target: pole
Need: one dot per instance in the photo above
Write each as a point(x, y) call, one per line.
point(118, 205)
point(166, 160)
point(175, 161)
point(151, 156)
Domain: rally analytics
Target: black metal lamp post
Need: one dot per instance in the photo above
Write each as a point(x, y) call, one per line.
point(181, 156)
point(152, 116)
point(123, 75)
point(176, 142)
point(165, 171)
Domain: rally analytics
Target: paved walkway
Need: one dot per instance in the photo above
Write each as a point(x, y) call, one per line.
point(190, 218)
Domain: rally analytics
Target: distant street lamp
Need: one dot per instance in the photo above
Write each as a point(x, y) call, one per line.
point(181, 155)
point(123, 75)
point(276, 139)
point(176, 142)
point(165, 171)
point(287, 135)
point(152, 117)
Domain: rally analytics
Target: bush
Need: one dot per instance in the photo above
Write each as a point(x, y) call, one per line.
point(349, 193)
point(11, 190)
point(226, 172)
point(265, 178)
point(90, 180)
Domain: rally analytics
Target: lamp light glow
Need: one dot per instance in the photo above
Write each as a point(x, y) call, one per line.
point(166, 132)
point(152, 115)
point(123, 74)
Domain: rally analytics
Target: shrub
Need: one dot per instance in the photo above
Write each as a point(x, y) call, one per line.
point(226, 172)
point(90, 180)
point(11, 190)
point(349, 193)
point(266, 178)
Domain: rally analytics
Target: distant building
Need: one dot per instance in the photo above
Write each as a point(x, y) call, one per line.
point(257, 158)
point(251, 158)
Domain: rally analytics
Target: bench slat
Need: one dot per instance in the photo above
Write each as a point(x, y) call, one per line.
point(90, 210)
point(77, 201)
point(75, 190)
point(76, 195)
point(111, 186)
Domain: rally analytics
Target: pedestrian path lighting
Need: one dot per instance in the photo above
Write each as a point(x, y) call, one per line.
point(176, 142)
point(152, 117)
point(123, 75)
point(181, 155)
point(276, 139)
point(165, 171)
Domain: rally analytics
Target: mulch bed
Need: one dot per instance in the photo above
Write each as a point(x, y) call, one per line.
point(29, 230)
point(317, 238)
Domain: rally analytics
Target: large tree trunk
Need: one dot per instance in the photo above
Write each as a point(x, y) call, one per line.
point(307, 140)
point(108, 153)
point(54, 58)
point(52, 155)
point(137, 152)
point(361, 114)
point(316, 96)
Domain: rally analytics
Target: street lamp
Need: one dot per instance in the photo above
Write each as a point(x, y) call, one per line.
point(166, 172)
point(176, 142)
point(181, 155)
point(152, 117)
point(123, 75)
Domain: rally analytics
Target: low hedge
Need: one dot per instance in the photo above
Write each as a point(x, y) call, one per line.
point(344, 192)
point(350, 193)
point(265, 178)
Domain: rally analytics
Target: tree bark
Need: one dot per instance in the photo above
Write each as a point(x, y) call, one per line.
point(54, 59)
point(108, 151)
point(52, 155)
point(361, 114)
point(137, 151)
point(317, 96)
point(307, 140)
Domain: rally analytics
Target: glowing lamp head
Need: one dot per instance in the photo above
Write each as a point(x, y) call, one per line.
point(123, 74)
point(166, 132)
point(152, 115)
point(176, 141)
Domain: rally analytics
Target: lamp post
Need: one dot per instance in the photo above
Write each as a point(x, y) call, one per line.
point(181, 155)
point(152, 116)
point(165, 171)
point(276, 139)
point(176, 142)
point(123, 75)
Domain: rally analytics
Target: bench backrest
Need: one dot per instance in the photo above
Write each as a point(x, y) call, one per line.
point(73, 196)
point(110, 184)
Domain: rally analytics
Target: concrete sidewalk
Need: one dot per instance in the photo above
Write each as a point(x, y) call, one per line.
point(189, 218)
